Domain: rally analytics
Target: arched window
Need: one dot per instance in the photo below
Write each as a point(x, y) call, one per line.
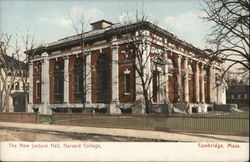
point(78, 81)
point(59, 82)
point(102, 79)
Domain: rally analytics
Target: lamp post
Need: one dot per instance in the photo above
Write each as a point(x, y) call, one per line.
point(217, 82)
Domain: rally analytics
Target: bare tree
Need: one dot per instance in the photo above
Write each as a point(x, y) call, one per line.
point(14, 68)
point(80, 25)
point(229, 37)
point(145, 58)
point(13, 71)
point(29, 45)
point(6, 81)
point(238, 77)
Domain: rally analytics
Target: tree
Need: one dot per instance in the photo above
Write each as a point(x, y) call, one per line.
point(14, 68)
point(236, 77)
point(80, 24)
point(6, 81)
point(145, 58)
point(229, 37)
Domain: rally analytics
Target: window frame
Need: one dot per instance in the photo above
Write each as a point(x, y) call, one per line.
point(127, 73)
point(38, 89)
point(78, 81)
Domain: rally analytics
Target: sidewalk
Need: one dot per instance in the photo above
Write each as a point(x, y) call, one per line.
point(182, 137)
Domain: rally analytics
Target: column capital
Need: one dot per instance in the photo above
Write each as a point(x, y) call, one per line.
point(147, 42)
point(178, 56)
point(87, 53)
point(66, 57)
point(44, 54)
point(114, 46)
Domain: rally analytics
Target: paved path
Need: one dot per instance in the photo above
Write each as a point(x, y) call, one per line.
point(182, 137)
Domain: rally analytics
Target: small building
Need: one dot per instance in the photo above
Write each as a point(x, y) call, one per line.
point(238, 94)
point(13, 97)
point(95, 71)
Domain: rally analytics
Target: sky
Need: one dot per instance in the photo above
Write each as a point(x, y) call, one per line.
point(50, 20)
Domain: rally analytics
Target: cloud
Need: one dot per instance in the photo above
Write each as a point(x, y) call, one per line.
point(126, 17)
point(188, 26)
point(75, 12)
point(60, 21)
point(92, 14)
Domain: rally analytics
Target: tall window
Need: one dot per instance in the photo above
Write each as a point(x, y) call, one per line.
point(38, 89)
point(59, 82)
point(78, 81)
point(127, 82)
point(103, 78)
point(155, 84)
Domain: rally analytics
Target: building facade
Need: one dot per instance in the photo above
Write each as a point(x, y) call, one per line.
point(96, 71)
point(238, 94)
point(13, 97)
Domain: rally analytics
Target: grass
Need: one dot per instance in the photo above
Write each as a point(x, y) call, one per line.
point(45, 118)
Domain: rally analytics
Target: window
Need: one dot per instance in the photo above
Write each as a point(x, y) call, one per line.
point(103, 79)
point(78, 81)
point(242, 96)
point(235, 96)
point(38, 89)
point(17, 86)
point(12, 87)
point(127, 82)
point(59, 82)
point(155, 84)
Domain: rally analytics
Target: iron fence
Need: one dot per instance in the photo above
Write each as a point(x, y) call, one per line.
point(227, 123)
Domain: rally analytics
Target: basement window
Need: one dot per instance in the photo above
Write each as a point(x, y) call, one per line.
point(194, 109)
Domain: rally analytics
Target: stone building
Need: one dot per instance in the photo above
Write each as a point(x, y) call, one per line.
point(98, 74)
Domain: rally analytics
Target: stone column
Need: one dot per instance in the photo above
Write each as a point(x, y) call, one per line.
point(45, 84)
point(114, 109)
point(197, 83)
point(179, 89)
point(202, 85)
point(212, 86)
point(88, 78)
point(30, 87)
point(115, 74)
point(186, 90)
point(66, 80)
point(166, 76)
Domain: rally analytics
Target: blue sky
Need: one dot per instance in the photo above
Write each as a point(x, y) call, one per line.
point(50, 20)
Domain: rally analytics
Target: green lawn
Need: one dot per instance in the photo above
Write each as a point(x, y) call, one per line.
point(45, 118)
